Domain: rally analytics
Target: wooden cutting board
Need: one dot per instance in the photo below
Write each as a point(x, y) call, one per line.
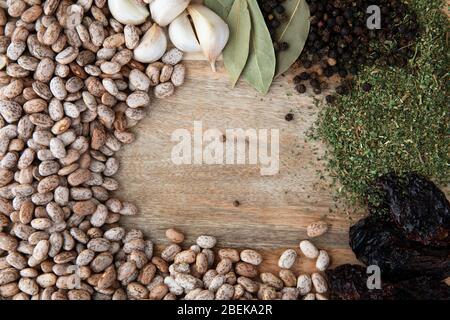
point(274, 211)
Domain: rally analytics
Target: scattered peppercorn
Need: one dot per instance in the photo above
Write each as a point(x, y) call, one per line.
point(236, 203)
point(289, 117)
point(283, 46)
point(297, 79)
point(339, 43)
point(366, 87)
point(330, 99)
point(403, 125)
point(304, 76)
point(301, 88)
point(315, 84)
point(274, 15)
point(341, 90)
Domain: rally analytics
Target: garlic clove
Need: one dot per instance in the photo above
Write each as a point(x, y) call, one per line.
point(182, 35)
point(212, 31)
point(165, 11)
point(153, 45)
point(128, 11)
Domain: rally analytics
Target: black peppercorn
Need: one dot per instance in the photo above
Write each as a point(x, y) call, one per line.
point(358, 30)
point(275, 23)
point(345, 31)
point(340, 20)
point(340, 37)
point(366, 87)
point(330, 99)
point(283, 46)
point(315, 83)
point(301, 88)
point(335, 12)
point(276, 46)
point(314, 20)
point(348, 13)
point(410, 53)
point(400, 61)
point(343, 73)
point(353, 69)
point(331, 22)
point(283, 18)
point(304, 76)
point(341, 90)
point(329, 7)
point(289, 116)
point(346, 56)
point(332, 54)
point(315, 58)
point(297, 79)
point(318, 44)
point(307, 64)
point(279, 9)
point(274, 15)
point(328, 72)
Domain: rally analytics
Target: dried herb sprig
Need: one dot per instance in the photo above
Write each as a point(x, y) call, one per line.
point(402, 123)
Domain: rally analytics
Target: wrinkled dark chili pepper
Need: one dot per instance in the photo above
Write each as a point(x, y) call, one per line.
point(407, 236)
point(381, 243)
point(422, 288)
point(349, 282)
point(417, 206)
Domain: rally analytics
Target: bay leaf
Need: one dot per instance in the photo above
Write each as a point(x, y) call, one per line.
point(221, 7)
point(260, 67)
point(236, 52)
point(294, 31)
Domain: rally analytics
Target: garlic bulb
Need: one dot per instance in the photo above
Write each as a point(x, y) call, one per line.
point(182, 35)
point(128, 11)
point(165, 11)
point(212, 31)
point(153, 45)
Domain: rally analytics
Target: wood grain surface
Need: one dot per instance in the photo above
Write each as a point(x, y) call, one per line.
point(274, 211)
point(198, 199)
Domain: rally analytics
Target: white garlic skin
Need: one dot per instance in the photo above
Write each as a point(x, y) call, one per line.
point(212, 31)
point(128, 11)
point(182, 35)
point(165, 11)
point(153, 45)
